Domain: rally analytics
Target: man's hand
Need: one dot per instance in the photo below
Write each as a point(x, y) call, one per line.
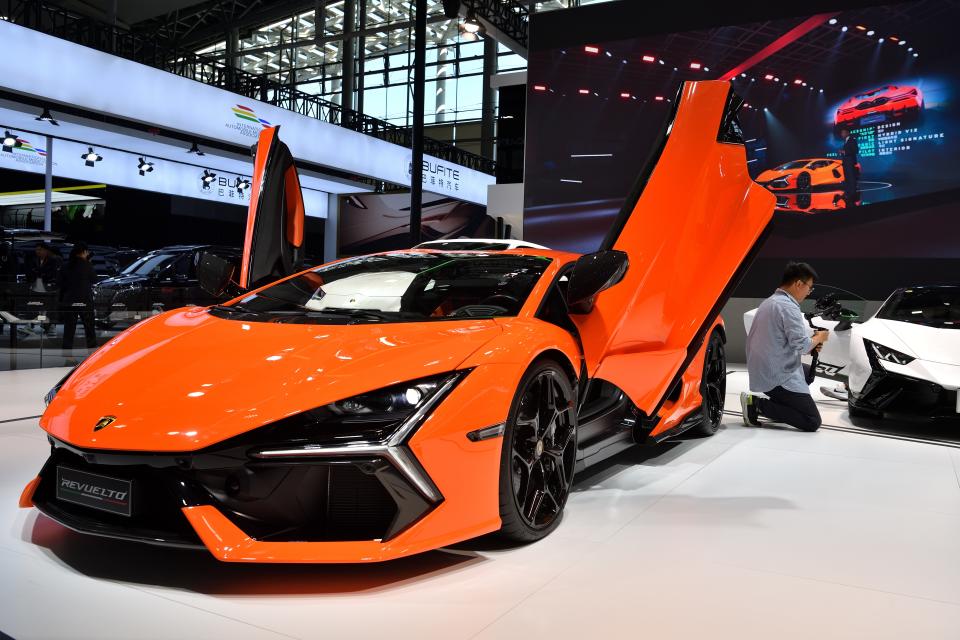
point(819, 337)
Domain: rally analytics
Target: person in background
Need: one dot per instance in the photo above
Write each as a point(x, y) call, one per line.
point(849, 156)
point(777, 338)
point(76, 287)
point(43, 276)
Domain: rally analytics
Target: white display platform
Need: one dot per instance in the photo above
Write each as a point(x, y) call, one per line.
point(753, 533)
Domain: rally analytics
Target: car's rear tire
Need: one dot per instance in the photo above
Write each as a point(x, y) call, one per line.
point(713, 386)
point(538, 453)
point(803, 181)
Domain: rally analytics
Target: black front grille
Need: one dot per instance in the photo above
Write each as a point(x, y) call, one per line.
point(899, 395)
point(329, 499)
point(303, 501)
point(156, 513)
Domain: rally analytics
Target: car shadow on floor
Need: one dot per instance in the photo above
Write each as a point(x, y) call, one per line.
point(200, 572)
point(946, 430)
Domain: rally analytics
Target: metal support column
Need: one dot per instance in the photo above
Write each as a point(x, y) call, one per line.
point(232, 60)
point(361, 49)
point(488, 111)
point(48, 188)
point(346, 55)
point(419, 89)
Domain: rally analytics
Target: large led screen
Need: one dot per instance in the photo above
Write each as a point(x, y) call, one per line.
point(844, 111)
point(372, 222)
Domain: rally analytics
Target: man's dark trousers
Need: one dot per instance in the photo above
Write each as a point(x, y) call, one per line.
point(795, 409)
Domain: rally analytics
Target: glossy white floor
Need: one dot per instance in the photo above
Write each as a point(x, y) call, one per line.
point(753, 533)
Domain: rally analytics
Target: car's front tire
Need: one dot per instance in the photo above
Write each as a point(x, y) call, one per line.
point(538, 453)
point(713, 386)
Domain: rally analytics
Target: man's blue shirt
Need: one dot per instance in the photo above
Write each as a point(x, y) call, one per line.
point(778, 337)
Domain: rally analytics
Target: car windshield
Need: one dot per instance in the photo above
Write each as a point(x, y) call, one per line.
point(399, 287)
point(796, 164)
point(148, 264)
point(932, 306)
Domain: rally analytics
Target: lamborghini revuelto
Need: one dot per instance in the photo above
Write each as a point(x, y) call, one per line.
point(389, 404)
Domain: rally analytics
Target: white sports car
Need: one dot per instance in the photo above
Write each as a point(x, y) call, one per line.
point(905, 360)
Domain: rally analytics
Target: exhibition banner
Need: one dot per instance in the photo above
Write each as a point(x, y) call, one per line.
point(67, 73)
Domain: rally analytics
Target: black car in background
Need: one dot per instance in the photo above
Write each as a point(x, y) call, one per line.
point(161, 279)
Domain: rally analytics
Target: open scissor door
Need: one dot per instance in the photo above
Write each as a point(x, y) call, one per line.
point(273, 245)
point(689, 230)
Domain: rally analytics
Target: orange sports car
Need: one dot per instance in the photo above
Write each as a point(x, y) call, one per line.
point(817, 201)
point(879, 105)
point(389, 404)
point(803, 175)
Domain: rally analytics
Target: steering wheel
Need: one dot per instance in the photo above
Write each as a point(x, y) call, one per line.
point(502, 300)
point(479, 311)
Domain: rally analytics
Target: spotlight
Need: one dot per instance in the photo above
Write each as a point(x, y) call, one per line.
point(609, 55)
point(624, 94)
point(10, 142)
point(706, 68)
point(471, 24)
point(843, 28)
point(798, 81)
point(591, 49)
point(776, 79)
point(821, 90)
point(46, 117)
point(242, 185)
point(880, 40)
point(661, 61)
point(659, 98)
point(768, 77)
point(194, 148)
point(743, 75)
point(894, 38)
point(871, 32)
point(915, 54)
point(695, 65)
point(207, 179)
point(861, 27)
point(909, 48)
point(649, 59)
point(833, 21)
point(91, 158)
point(144, 167)
point(584, 92)
point(902, 42)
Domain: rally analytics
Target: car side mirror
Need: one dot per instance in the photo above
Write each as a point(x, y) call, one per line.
point(593, 273)
point(215, 274)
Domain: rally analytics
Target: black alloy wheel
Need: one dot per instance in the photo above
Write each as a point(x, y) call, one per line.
point(538, 454)
point(803, 181)
point(713, 386)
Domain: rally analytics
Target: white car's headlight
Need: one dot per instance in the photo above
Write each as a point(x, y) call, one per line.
point(887, 354)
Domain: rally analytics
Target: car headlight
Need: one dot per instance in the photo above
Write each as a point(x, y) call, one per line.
point(887, 354)
point(374, 417)
point(48, 398)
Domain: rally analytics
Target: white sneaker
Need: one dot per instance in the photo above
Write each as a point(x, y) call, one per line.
point(748, 408)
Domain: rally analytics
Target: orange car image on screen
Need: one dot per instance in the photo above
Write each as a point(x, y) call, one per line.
point(879, 105)
point(803, 175)
point(389, 404)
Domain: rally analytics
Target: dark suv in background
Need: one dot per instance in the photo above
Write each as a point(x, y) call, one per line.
point(161, 279)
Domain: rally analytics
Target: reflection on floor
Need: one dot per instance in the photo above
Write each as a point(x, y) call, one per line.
point(753, 533)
